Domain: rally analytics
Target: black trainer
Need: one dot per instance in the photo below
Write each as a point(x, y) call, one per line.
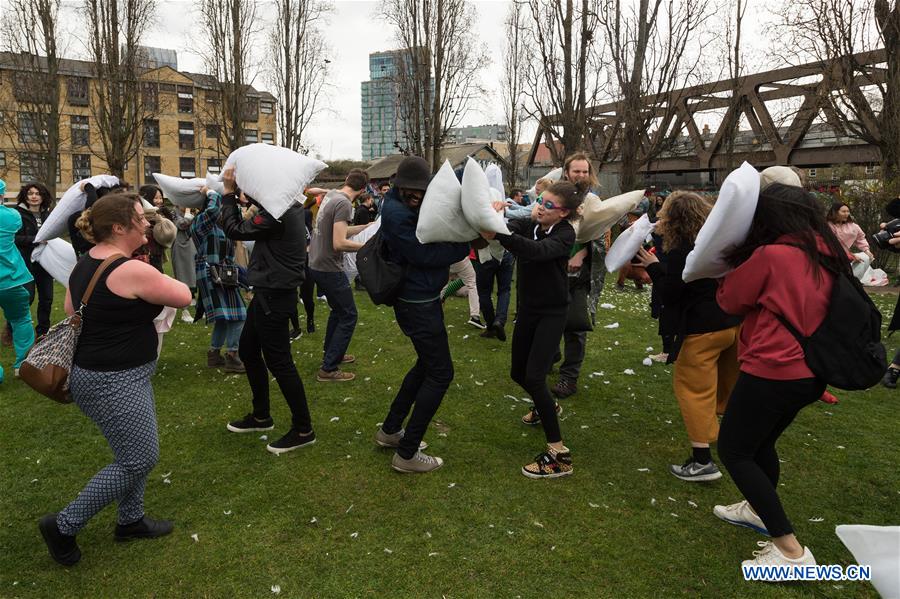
point(145, 528)
point(310, 327)
point(499, 331)
point(295, 334)
point(564, 388)
point(290, 441)
point(63, 548)
point(890, 378)
point(249, 424)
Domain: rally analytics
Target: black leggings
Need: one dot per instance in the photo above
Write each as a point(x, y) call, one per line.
point(307, 289)
point(535, 342)
point(758, 411)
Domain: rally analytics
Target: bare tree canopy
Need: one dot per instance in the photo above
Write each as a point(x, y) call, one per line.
point(437, 77)
point(563, 70)
point(865, 100)
point(229, 27)
point(513, 88)
point(31, 34)
point(298, 66)
point(115, 29)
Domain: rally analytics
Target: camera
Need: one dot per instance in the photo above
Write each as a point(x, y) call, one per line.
point(882, 238)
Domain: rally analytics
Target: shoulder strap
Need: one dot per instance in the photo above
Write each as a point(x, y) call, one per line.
point(97, 273)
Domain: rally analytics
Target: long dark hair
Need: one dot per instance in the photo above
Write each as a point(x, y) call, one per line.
point(788, 210)
point(148, 193)
point(571, 194)
point(46, 198)
point(833, 211)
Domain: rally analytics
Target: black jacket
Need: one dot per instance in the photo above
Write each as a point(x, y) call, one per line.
point(542, 283)
point(686, 308)
point(25, 236)
point(79, 243)
point(365, 215)
point(280, 250)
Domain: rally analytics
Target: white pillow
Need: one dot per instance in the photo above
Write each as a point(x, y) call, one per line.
point(554, 175)
point(598, 216)
point(273, 176)
point(476, 201)
point(441, 215)
point(495, 179)
point(878, 547)
point(726, 227)
point(214, 182)
point(71, 202)
point(57, 257)
point(628, 243)
point(182, 192)
point(361, 237)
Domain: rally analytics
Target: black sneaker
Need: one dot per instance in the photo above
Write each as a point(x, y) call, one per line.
point(310, 327)
point(295, 334)
point(63, 548)
point(488, 333)
point(290, 441)
point(890, 378)
point(475, 321)
point(692, 471)
point(249, 424)
point(550, 464)
point(564, 388)
point(499, 331)
point(145, 528)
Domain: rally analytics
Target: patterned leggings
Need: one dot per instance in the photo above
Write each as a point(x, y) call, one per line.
point(121, 404)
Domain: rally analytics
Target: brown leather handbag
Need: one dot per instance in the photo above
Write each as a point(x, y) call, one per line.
point(47, 365)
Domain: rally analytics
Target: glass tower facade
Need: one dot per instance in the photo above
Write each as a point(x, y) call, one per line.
point(380, 110)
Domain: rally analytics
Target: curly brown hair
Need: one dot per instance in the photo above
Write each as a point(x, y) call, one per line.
point(680, 219)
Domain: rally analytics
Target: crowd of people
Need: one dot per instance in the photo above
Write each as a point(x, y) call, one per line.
point(740, 376)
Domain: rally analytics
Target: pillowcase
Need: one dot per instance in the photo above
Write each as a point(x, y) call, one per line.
point(554, 175)
point(71, 202)
point(184, 193)
point(628, 243)
point(495, 179)
point(273, 176)
point(441, 215)
point(598, 216)
point(57, 257)
point(875, 546)
point(476, 201)
point(726, 227)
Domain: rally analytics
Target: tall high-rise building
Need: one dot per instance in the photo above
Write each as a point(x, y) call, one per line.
point(381, 130)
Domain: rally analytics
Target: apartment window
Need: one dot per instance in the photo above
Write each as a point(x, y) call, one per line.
point(212, 95)
point(29, 128)
point(266, 107)
point(185, 99)
point(32, 166)
point(150, 95)
point(167, 88)
point(151, 133)
point(251, 109)
point(251, 136)
point(187, 167)
point(870, 169)
point(152, 164)
point(811, 173)
point(81, 167)
point(2, 159)
point(213, 131)
point(77, 91)
point(268, 138)
point(186, 135)
point(214, 165)
point(81, 132)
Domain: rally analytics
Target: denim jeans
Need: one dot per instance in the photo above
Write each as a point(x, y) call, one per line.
point(427, 381)
point(486, 272)
point(227, 334)
point(341, 321)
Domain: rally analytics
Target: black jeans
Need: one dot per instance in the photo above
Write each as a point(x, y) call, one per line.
point(485, 273)
point(758, 411)
point(574, 347)
point(266, 345)
point(535, 342)
point(42, 286)
point(341, 320)
point(427, 381)
point(308, 295)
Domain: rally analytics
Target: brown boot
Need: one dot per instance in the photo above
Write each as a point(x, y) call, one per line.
point(233, 362)
point(214, 359)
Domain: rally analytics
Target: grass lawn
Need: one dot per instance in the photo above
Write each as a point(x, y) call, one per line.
point(333, 520)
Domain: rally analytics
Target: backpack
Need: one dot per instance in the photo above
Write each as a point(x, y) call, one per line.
point(846, 350)
point(381, 277)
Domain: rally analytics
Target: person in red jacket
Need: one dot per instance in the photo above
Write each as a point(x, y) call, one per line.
point(785, 269)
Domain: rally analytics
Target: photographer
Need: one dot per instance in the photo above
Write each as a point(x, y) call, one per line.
point(889, 239)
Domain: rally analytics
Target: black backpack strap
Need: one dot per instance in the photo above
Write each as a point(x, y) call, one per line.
point(801, 339)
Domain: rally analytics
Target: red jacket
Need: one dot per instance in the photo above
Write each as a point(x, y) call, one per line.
point(776, 279)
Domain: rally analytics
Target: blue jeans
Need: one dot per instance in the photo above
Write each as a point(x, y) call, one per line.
point(14, 304)
point(486, 272)
point(227, 334)
point(341, 321)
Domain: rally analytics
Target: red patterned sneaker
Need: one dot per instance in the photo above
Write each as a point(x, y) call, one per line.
point(550, 464)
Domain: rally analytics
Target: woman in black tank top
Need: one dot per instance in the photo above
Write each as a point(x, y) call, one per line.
point(110, 378)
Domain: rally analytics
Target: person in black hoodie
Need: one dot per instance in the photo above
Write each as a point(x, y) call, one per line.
point(420, 316)
point(705, 346)
point(543, 246)
point(79, 243)
point(275, 271)
point(34, 203)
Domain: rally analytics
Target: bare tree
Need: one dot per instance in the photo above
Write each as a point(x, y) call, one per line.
point(437, 74)
point(115, 29)
point(31, 35)
point(514, 58)
point(298, 66)
point(865, 98)
point(734, 60)
point(562, 71)
point(654, 49)
point(229, 26)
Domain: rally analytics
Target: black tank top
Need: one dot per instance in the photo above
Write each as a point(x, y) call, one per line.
point(116, 333)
